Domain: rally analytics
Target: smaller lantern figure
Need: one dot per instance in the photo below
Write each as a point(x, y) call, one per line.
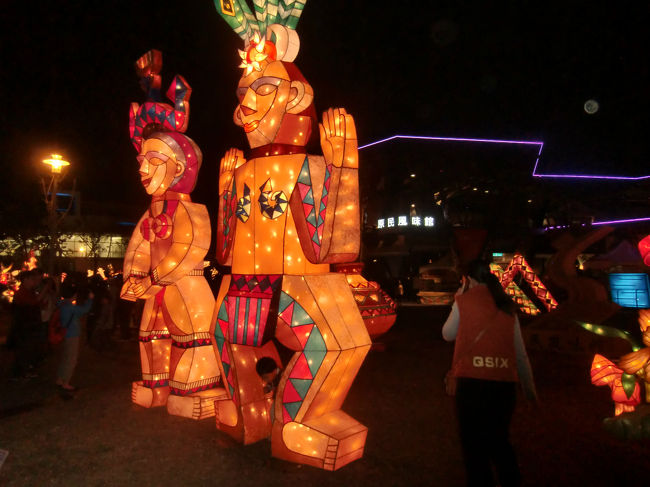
point(163, 264)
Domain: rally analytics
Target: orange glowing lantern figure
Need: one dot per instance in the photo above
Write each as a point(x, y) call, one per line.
point(163, 264)
point(377, 308)
point(284, 216)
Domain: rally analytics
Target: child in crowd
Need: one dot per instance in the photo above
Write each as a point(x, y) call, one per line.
point(70, 315)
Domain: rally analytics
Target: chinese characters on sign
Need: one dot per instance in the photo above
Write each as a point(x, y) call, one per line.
point(405, 221)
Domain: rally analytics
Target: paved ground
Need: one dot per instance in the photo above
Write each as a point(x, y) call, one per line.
point(100, 438)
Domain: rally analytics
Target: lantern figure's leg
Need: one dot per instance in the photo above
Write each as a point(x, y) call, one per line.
point(318, 318)
point(194, 374)
point(246, 412)
point(155, 344)
point(247, 415)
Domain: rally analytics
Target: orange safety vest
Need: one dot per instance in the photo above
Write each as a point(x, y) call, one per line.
point(492, 355)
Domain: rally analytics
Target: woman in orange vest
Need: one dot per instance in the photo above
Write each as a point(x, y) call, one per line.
point(489, 359)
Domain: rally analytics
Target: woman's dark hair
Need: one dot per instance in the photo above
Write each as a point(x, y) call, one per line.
point(480, 270)
point(68, 290)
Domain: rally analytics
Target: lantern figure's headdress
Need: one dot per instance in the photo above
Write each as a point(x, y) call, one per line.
point(153, 115)
point(269, 34)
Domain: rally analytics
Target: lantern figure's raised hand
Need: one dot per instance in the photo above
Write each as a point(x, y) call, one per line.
point(338, 138)
point(284, 216)
point(163, 264)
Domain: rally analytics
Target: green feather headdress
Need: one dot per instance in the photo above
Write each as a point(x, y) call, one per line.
point(267, 12)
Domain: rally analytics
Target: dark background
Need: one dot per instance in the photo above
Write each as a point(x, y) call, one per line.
point(518, 70)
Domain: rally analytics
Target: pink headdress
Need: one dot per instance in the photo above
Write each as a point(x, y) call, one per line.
point(153, 115)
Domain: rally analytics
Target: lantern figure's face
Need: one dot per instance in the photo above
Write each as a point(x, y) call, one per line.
point(265, 96)
point(158, 166)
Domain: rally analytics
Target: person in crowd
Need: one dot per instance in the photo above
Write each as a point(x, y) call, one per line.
point(269, 372)
point(71, 312)
point(489, 359)
point(47, 294)
point(26, 322)
point(100, 339)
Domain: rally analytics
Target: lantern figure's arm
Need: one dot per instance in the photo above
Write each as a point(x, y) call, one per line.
point(190, 242)
point(227, 204)
point(137, 263)
point(332, 234)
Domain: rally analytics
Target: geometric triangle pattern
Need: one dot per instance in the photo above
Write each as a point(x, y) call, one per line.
point(170, 119)
point(244, 205)
point(229, 204)
point(323, 202)
point(314, 218)
point(220, 334)
point(272, 203)
point(309, 361)
point(259, 285)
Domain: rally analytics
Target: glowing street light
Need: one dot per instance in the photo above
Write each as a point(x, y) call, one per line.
point(54, 215)
point(56, 163)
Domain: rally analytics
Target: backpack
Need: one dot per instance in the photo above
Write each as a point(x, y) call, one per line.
point(55, 329)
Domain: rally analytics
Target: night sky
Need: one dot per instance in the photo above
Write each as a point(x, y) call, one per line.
point(522, 70)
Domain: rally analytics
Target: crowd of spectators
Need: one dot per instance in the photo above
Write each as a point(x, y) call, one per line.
point(90, 310)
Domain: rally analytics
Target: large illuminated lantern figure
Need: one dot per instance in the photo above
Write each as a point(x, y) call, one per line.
point(163, 264)
point(284, 216)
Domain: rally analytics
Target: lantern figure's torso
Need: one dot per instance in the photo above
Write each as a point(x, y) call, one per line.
point(157, 226)
point(266, 240)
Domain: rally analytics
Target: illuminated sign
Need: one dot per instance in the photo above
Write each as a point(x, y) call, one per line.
point(630, 290)
point(405, 221)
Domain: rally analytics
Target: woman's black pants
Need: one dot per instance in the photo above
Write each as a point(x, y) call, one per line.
point(484, 409)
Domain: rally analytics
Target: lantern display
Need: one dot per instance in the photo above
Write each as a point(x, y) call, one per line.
point(518, 265)
point(518, 296)
point(625, 391)
point(284, 216)
point(644, 249)
point(377, 308)
point(632, 370)
point(163, 264)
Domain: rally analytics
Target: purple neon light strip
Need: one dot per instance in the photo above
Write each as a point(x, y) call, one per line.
point(521, 142)
point(457, 139)
point(629, 220)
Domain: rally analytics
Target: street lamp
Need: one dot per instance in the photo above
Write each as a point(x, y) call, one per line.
point(56, 163)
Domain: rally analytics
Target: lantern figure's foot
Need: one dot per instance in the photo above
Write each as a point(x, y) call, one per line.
point(246, 424)
point(149, 397)
point(328, 442)
point(199, 405)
